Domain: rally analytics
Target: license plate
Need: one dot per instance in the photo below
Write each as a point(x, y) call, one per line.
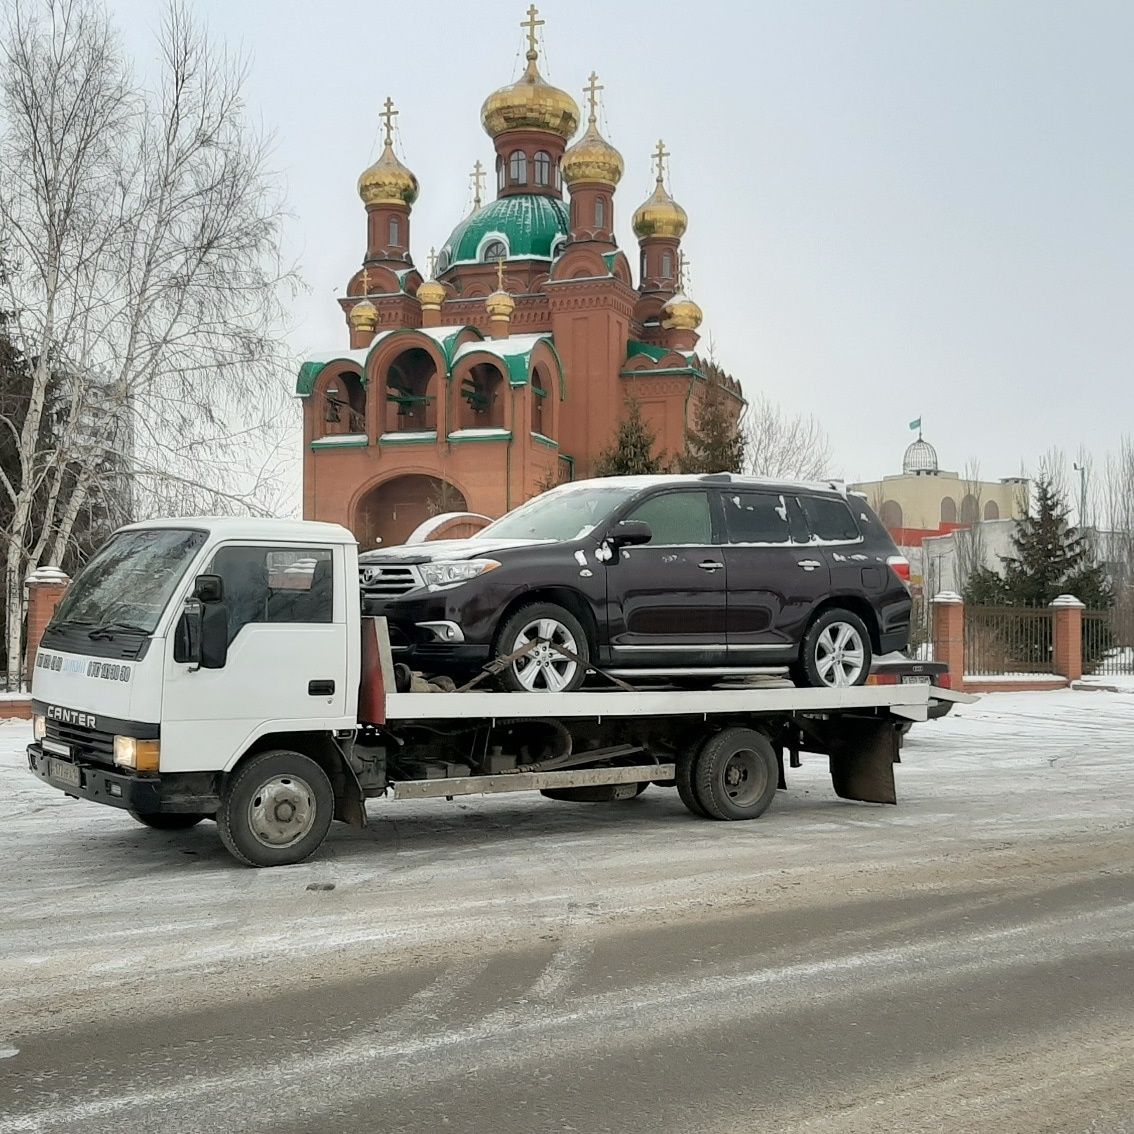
point(917, 681)
point(64, 772)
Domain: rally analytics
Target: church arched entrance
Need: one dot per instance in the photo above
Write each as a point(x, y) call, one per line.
point(387, 513)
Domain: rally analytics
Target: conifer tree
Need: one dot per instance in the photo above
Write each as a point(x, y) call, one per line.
point(631, 452)
point(1050, 558)
point(714, 442)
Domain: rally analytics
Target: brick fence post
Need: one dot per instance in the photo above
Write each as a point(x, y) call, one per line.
point(1067, 636)
point(949, 635)
point(46, 586)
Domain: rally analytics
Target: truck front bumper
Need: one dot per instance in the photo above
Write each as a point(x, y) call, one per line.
point(145, 794)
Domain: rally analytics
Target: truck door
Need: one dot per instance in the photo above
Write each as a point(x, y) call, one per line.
point(666, 598)
point(287, 657)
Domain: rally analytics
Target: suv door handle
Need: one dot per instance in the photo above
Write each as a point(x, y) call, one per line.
point(710, 565)
point(320, 688)
point(809, 564)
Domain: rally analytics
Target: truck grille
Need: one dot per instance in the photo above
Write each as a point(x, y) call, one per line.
point(388, 580)
point(85, 743)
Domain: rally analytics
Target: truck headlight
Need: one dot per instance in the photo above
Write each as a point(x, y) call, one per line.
point(141, 755)
point(446, 574)
point(39, 727)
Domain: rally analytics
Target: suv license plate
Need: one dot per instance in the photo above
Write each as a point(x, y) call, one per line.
point(65, 773)
point(917, 681)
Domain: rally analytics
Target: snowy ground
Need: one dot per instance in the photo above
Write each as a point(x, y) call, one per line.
point(97, 913)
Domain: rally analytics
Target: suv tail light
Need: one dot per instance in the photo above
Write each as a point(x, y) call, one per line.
point(945, 681)
point(882, 679)
point(900, 565)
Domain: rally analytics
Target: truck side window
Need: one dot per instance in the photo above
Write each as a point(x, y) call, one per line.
point(677, 518)
point(275, 584)
point(829, 518)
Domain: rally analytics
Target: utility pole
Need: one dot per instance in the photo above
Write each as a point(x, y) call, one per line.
point(1082, 471)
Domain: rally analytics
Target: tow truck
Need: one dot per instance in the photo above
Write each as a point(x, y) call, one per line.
point(223, 668)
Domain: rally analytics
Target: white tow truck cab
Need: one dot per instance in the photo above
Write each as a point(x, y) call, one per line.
point(221, 668)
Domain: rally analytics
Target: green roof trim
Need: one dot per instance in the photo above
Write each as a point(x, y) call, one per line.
point(540, 439)
point(333, 443)
point(410, 437)
point(634, 349)
point(609, 258)
point(692, 371)
point(529, 223)
point(456, 438)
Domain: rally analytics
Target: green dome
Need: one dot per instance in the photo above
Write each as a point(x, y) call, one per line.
point(529, 225)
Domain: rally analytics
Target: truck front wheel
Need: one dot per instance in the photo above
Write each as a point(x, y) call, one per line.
point(275, 810)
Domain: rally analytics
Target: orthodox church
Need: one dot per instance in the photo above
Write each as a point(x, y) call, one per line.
point(505, 368)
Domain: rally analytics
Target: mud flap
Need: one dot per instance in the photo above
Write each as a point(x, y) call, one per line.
point(862, 757)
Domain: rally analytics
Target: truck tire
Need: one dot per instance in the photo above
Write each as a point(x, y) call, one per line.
point(686, 765)
point(275, 809)
point(544, 670)
point(168, 820)
point(836, 651)
point(736, 774)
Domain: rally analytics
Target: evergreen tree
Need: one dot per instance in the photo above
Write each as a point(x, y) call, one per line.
point(1050, 558)
point(631, 452)
point(714, 442)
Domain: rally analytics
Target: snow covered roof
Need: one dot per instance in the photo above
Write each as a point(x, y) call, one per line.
point(255, 527)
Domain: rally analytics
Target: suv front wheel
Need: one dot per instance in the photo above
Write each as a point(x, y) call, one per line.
point(836, 651)
point(543, 669)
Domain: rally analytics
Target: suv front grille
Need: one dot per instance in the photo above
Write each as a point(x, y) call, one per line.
point(85, 743)
point(388, 580)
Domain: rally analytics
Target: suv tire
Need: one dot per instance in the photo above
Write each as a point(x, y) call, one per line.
point(836, 651)
point(543, 670)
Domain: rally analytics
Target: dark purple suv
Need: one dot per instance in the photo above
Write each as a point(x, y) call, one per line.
point(686, 578)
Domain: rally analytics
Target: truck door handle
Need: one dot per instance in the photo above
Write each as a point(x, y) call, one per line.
point(321, 688)
point(710, 565)
point(809, 564)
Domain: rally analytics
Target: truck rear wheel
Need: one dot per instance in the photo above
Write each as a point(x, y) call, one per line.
point(735, 774)
point(276, 809)
point(167, 820)
point(686, 767)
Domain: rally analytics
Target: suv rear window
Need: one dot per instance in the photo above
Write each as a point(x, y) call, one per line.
point(829, 518)
point(677, 518)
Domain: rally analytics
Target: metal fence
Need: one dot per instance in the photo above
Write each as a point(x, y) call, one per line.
point(1008, 640)
point(1108, 641)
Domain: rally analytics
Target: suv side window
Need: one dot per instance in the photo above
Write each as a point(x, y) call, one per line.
point(762, 517)
point(275, 584)
point(677, 518)
point(829, 518)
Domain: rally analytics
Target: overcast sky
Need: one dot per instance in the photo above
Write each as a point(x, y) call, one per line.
point(897, 209)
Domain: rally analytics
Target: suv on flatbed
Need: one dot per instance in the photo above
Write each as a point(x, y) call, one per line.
point(690, 578)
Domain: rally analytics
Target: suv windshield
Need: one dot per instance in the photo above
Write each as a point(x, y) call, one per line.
point(129, 580)
point(562, 514)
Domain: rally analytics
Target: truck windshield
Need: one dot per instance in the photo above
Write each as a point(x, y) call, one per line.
point(563, 514)
point(129, 580)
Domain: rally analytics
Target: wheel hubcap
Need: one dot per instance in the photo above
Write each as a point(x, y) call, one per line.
point(544, 669)
point(840, 654)
point(282, 811)
point(745, 778)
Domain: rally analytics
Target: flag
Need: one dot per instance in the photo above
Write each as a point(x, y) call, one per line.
point(916, 423)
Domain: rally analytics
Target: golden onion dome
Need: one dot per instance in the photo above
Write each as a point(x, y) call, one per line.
point(531, 103)
point(592, 158)
point(431, 293)
point(660, 215)
point(500, 305)
point(681, 314)
point(363, 315)
point(388, 182)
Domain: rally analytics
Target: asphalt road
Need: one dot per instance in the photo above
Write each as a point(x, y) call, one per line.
point(957, 966)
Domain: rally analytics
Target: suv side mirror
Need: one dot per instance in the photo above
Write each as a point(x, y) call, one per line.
point(201, 637)
point(631, 533)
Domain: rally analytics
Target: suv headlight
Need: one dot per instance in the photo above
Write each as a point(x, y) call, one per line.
point(446, 574)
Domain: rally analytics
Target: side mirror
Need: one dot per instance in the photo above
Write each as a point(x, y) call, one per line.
point(201, 637)
point(631, 533)
point(208, 588)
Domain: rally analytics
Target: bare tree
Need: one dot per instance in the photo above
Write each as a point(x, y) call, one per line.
point(969, 541)
point(1115, 507)
point(139, 231)
point(780, 444)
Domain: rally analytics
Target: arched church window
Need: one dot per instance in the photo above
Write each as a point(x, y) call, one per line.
point(499, 172)
point(558, 246)
point(518, 167)
point(600, 212)
point(395, 232)
point(494, 250)
point(442, 262)
point(558, 175)
point(667, 265)
point(542, 163)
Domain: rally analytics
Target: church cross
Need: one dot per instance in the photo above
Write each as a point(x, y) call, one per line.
point(432, 262)
point(682, 270)
point(388, 115)
point(478, 176)
point(500, 274)
point(591, 90)
point(531, 23)
point(660, 155)
point(365, 281)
